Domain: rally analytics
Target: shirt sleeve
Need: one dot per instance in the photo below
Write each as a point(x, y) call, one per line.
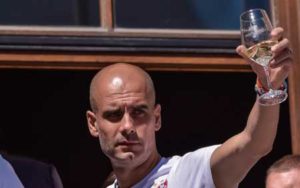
point(193, 170)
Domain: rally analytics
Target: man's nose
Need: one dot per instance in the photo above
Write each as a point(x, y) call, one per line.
point(128, 124)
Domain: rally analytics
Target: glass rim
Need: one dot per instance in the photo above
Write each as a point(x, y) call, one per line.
point(251, 10)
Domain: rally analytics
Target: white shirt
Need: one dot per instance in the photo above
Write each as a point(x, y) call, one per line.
point(191, 170)
point(8, 177)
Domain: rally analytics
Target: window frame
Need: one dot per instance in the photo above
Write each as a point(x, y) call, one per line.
point(96, 42)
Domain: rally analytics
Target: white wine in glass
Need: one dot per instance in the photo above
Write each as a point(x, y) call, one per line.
point(261, 52)
point(256, 36)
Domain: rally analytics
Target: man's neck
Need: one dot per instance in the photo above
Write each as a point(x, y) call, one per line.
point(128, 176)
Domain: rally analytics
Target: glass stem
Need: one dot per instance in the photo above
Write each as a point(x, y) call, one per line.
point(267, 72)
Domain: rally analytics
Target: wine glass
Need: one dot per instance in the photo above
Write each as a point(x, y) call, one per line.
point(256, 37)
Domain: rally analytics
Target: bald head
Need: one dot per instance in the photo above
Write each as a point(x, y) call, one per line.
point(284, 173)
point(286, 163)
point(118, 78)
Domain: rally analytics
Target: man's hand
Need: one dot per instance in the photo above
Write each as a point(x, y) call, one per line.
point(280, 64)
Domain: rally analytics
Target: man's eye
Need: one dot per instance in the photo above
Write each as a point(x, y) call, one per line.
point(138, 113)
point(114, 116)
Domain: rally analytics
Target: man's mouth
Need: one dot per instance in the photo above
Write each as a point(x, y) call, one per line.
point(127, 143)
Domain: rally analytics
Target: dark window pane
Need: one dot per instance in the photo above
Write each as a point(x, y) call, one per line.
point(182, 14)
point(50, 12)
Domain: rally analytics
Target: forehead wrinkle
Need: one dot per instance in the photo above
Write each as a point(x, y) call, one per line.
point(124, 98)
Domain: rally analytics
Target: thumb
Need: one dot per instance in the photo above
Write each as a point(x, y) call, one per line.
point(258, 69)
point(241, 50)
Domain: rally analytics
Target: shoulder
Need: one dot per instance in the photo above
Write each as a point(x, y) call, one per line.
point(25, 162)
point(193, 166)
point(8, 177)
point(34, 173)
point(203, 154)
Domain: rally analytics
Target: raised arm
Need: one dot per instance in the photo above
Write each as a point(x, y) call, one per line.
point(232, 160)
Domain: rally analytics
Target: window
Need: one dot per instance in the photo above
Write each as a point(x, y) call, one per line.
point(50, 12)
point(80, 33)
point(178, 14)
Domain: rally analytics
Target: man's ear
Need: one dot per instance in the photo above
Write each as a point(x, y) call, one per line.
point(157, 115)
point(92, 124)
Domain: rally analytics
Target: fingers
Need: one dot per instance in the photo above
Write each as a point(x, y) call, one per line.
point(281, 63)
point(280, 46)
point(282, 54)
point(280, 74)
point(277, 34)
point(241, 50)
point(281, 67)
point(285, 57)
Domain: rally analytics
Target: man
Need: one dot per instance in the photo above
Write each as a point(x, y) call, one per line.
point(125, 118)
point(284, 173)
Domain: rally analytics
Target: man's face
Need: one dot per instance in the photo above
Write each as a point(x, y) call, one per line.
point(126, 122)
point(289, 179)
